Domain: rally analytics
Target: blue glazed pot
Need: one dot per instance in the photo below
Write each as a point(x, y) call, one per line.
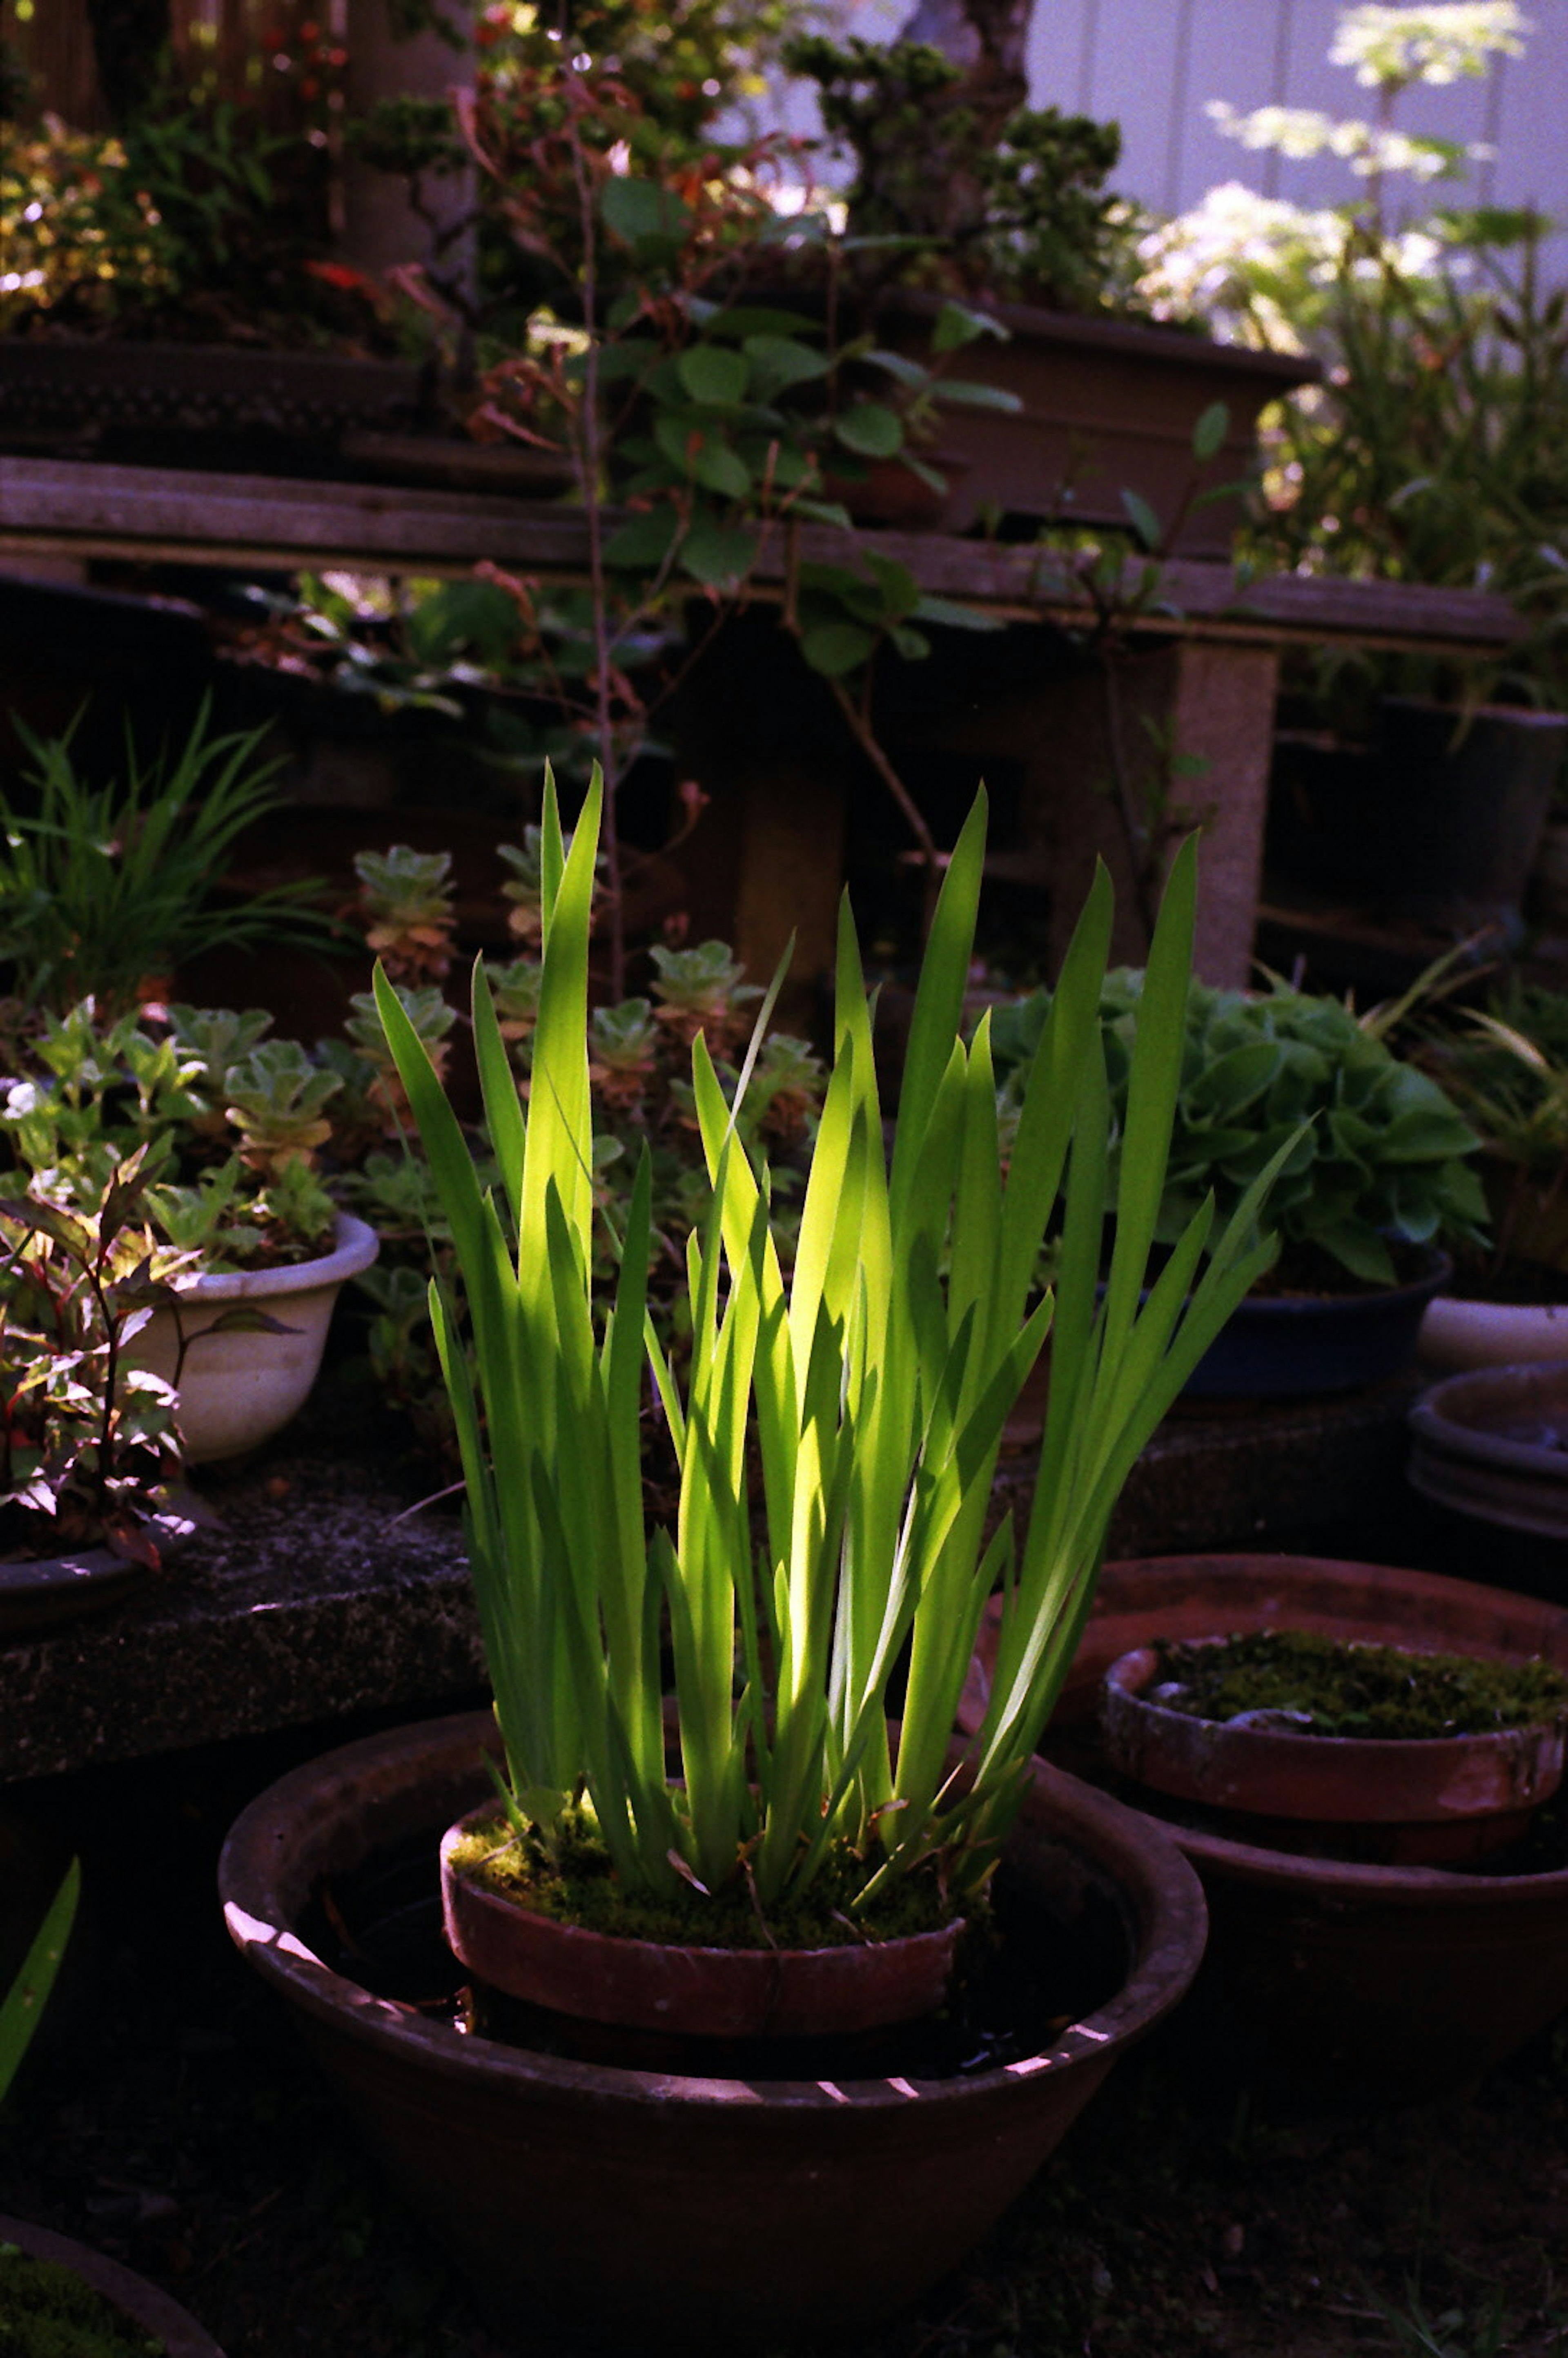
point(1290, 1347)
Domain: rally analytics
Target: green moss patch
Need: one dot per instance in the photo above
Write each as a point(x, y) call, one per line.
point(573, 1880)
point(1331, 1687)
point(47, 2311)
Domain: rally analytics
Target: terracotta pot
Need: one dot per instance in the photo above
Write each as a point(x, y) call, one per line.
point(703, 1992)
point(1376, 1980)
point(1493, 1444)
point(633, 2207)
point(142, 2303)
point(240, 1386)
point(1442, 1799)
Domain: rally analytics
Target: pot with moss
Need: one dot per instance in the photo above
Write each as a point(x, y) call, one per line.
point(1374, 1750)
point(57, 2299)
point(1379, 1978)
point(1061, 398)
point(59, 2295)
point(1375, 1180)
point(833, 1438)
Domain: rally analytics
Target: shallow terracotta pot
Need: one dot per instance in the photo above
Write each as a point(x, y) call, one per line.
point(136, 2300)
point(1376, 1980)
point(241, 1385)
point(1492, 1444)
point(1442, 1798)
point(700, 1992)
point(632, 2209)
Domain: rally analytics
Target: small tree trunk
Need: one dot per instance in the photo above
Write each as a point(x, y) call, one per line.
point(938, 193)
point(130, 38)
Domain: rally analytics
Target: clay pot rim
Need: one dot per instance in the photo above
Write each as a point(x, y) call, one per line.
point(1167, 1945)
point(139, 2302)
point(592, 1972)
point(1433, 1419)
point(38, 1592)
point(355, 1245)
point(1296, 1743)
point(1347, 1880)
point(632, 1941)
point(1254, 1863)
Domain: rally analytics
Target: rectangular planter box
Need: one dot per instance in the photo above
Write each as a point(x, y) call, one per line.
point(1107, 406)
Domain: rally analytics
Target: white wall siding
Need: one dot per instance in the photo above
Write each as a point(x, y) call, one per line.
point(1153, 64)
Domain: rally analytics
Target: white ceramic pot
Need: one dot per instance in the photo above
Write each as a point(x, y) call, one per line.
point(1456, 1334)
point(242, 1385)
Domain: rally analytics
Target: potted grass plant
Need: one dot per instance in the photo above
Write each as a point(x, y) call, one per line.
point(833, 1441)
point(1342, 1950)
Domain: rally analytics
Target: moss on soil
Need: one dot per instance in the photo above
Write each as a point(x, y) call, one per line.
point(574, 1881)
point(1350, 1689)
point(47, 2311)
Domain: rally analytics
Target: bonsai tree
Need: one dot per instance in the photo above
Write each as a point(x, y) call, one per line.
point(959, 185)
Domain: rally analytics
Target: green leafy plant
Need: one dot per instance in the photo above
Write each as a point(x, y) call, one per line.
point(1371, 1154)
point(406, 898)
point(1506, 1067)
point(874, 1385)
point(226, 1124)
point(87, 1440)
point(106, 886)
point(1433, 451)
point(959, 185)
point(72, 228)
point(22, 2007)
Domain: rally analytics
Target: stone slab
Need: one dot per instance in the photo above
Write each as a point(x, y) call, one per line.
point(312, 1600)
point(307, 1602)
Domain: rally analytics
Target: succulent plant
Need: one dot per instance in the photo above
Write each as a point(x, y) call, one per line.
point(405, 898)
point(701, 990)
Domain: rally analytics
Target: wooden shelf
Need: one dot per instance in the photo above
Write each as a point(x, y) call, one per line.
point(65, 507)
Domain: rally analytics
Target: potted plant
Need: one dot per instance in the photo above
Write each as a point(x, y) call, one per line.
point(230, 1214)
point(960, 188)
point(1373, 1751)
point(874, 1388)
point(1506, 1067)
point(1428, 456)
point(88, 1446)
point(1381, 1979)
point(1375, 1175)
point(170, 277)
point(54, 2294)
